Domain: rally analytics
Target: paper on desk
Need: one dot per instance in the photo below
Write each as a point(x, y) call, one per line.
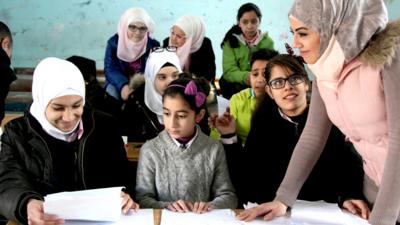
point(97, 204)
point(311, 213)
point(319, 212)
point(217, 217)
point(141, 217)
point(223, 103)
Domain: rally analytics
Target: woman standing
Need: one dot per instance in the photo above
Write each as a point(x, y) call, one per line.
point(354, 53)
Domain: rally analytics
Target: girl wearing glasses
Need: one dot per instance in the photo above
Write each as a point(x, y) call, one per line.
point(337, 176)
point(127, 51)
point(194, 50)
point(356, 63)
point(239, 43)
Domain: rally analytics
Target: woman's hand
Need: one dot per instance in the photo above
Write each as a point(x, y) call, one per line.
point(202, 207)
point(357, 207)
point(125, 92)
point(180, 206)
point(128, 203)
point(269, 210)
point(36, 215)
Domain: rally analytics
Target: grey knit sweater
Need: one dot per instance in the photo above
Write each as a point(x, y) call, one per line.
point(167, 173)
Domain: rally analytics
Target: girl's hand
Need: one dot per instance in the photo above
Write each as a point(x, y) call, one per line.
point(128, 203)
point(36, 215)
point(180, 206)
point(357, 207)
point(226, 124)
point(202, 207)
point(269, 210)
point(125, 92)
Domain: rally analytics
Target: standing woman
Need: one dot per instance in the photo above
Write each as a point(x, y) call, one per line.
point(194, 50)
point(354, 53)
point(239, 43)
point(127, 51)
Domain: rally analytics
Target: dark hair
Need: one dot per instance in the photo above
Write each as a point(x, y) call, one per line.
point(263, 54)
point(235, 29)
point(5, 32)
point(177, 87)
point(86, 66)
point(288, 62)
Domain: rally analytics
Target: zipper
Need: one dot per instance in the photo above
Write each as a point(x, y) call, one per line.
point(45, 144)
point(81, 151)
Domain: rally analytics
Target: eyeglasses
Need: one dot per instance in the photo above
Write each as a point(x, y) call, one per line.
point(134, 28)
point(293, 79)
point(161, 49)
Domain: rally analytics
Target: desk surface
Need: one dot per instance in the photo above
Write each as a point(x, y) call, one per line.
point(132, 150)
point(156, 214)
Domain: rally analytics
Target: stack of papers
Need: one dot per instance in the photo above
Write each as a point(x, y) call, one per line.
point(97, 204)
point(142, 217)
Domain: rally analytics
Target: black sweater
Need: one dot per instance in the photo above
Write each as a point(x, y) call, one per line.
point(258, 169)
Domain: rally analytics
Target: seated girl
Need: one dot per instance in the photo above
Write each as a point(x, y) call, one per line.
point(127, 51)
point(182, 169)
point(58, 145)
point(194, 49)
point(142, 115)
point(337, 176)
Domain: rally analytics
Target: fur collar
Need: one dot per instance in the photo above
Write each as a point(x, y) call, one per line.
point(382, 48)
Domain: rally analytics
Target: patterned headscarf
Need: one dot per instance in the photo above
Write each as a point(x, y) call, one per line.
point(353, 22)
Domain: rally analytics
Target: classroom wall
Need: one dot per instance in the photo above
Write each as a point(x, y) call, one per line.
point(60, 28)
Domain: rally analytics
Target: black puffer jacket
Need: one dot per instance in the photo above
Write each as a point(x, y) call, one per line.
point(27, 167)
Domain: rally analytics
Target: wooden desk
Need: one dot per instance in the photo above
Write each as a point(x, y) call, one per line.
point(156, 213)
point(132, 151)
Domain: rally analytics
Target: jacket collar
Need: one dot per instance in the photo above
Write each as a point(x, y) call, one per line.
point(382, 48)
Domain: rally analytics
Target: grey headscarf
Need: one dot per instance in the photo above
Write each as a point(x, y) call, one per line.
point(353, 22)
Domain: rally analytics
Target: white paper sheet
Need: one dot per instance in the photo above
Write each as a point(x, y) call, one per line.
point(312, 213)
point(97, 204)
point(214, 217)
point(223, 103)
point(142, 217)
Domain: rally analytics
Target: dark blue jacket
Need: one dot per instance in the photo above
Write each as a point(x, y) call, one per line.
point(117, 71)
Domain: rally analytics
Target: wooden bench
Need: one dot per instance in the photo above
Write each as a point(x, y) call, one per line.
point(20, 94)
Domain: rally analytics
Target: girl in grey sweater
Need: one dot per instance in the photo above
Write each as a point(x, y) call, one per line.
point(182, 169)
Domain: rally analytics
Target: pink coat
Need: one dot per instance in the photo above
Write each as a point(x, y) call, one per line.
point(356, 105)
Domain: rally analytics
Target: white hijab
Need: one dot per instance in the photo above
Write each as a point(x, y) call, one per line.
point(127, 50)
point(156, 60)
point(54, 78)
point(194, 29)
